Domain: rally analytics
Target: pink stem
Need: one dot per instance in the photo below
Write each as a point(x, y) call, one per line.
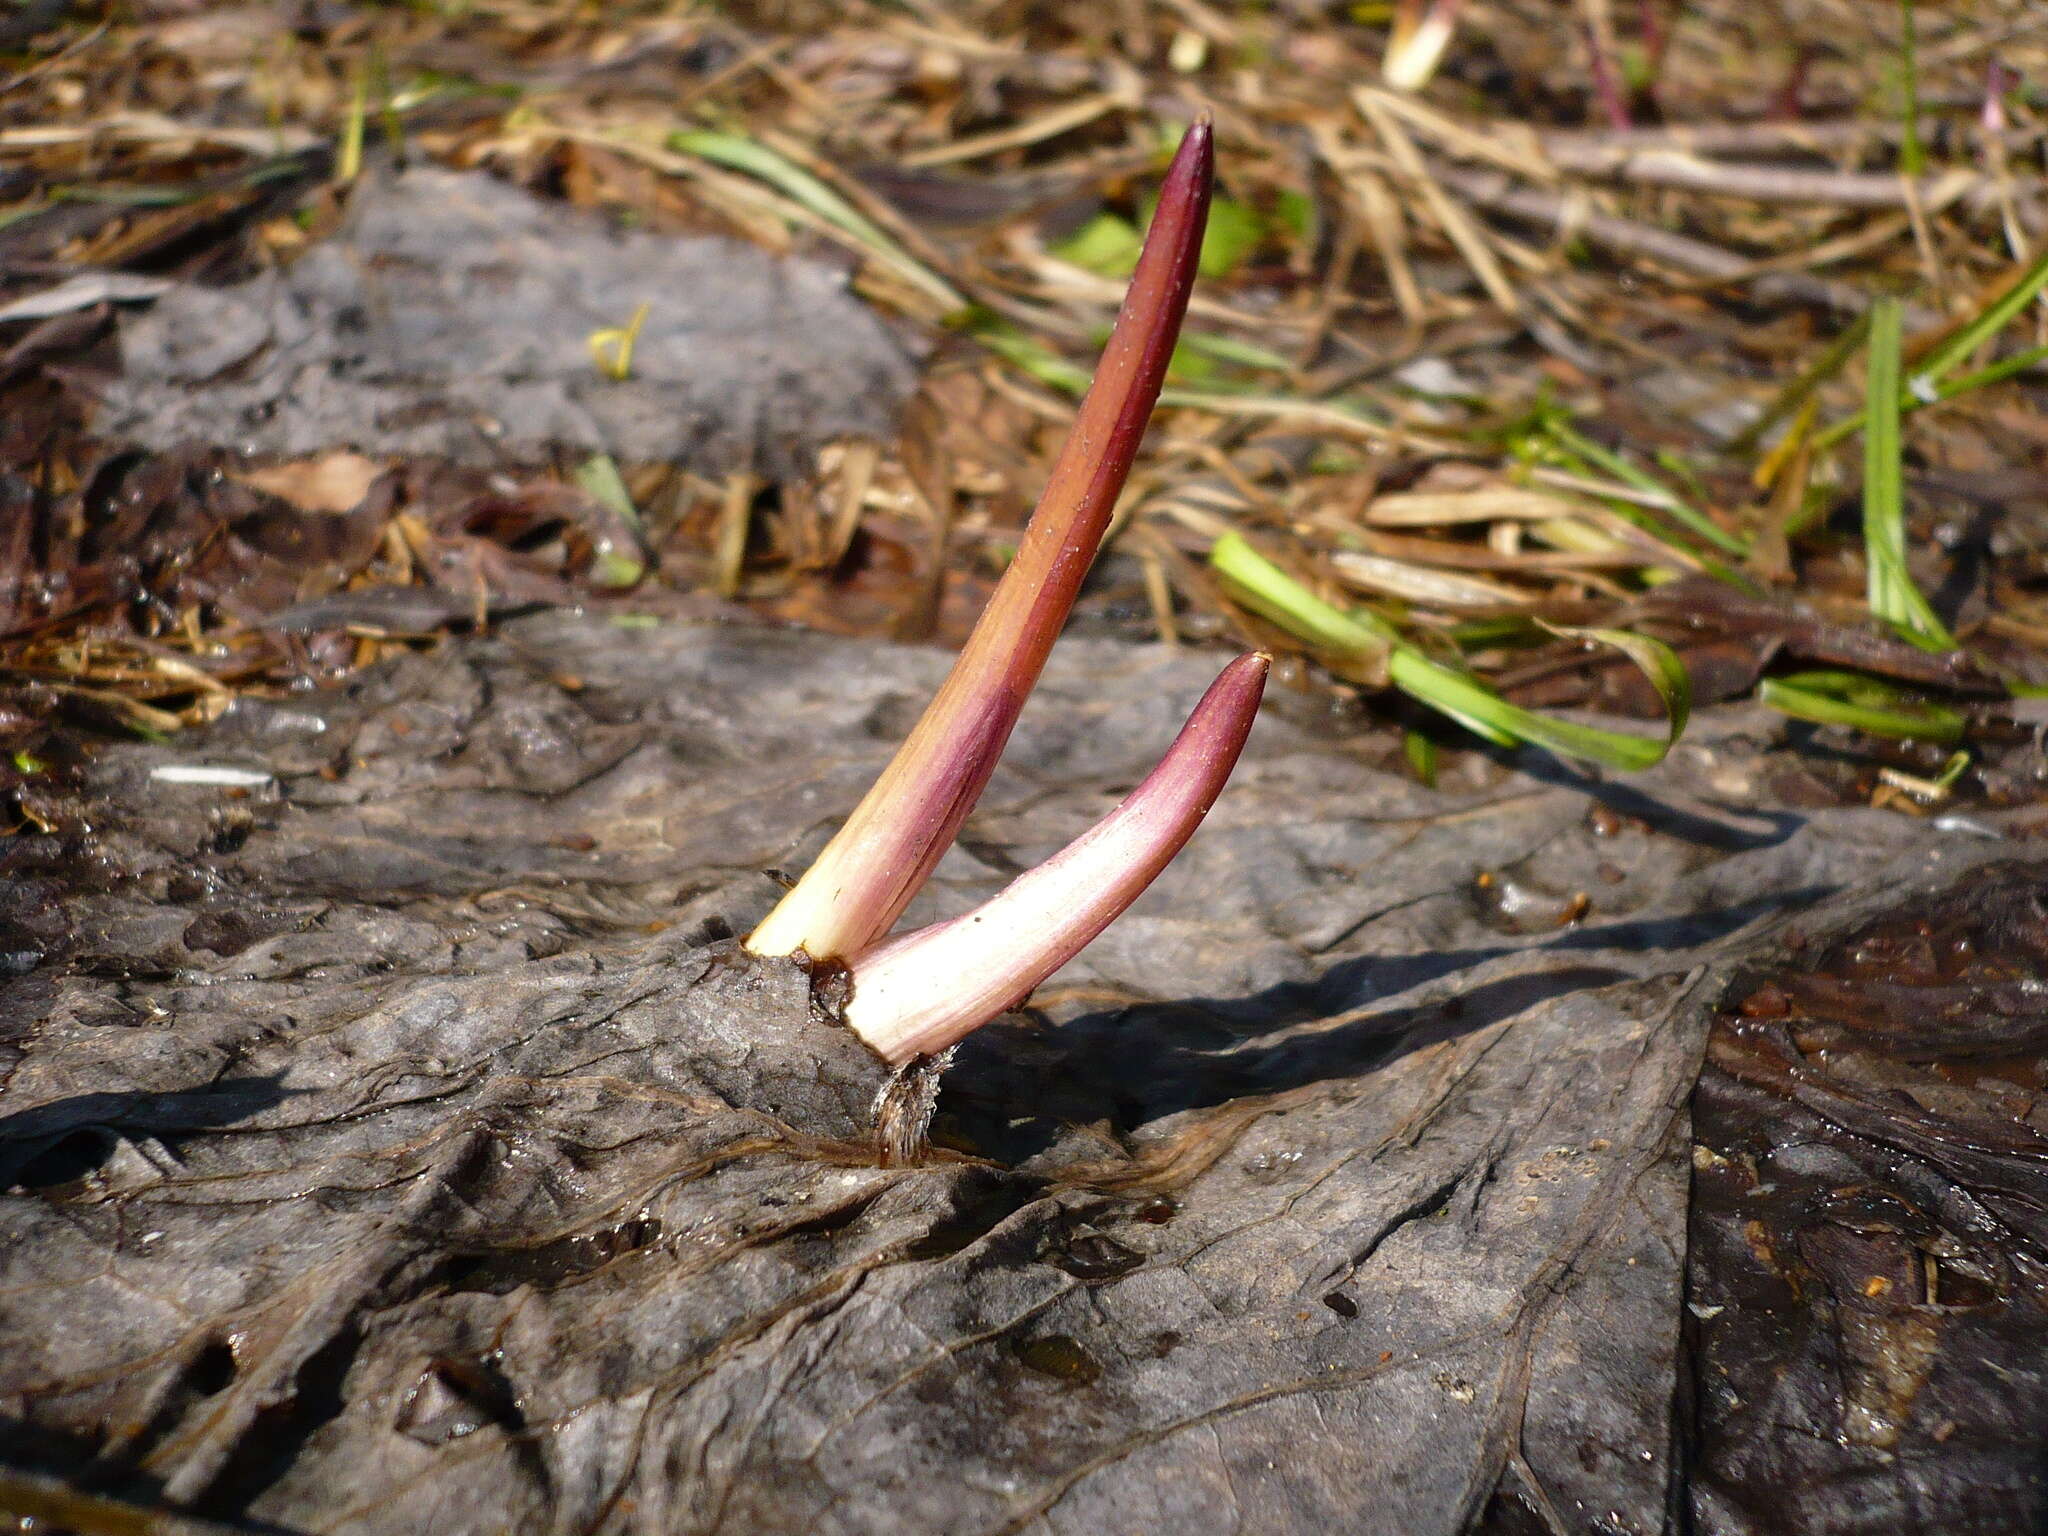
point(919, 993)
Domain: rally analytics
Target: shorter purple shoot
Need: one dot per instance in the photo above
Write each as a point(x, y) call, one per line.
point(918, 994)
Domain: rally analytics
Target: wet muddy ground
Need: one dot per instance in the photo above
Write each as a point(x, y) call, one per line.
point(395, 732)
point(392, 1139)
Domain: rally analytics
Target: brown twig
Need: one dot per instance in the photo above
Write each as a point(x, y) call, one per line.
point(1629, 237)
point(1684, 171)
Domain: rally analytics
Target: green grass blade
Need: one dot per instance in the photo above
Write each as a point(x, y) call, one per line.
point(387, 104)
point(1035, 358)
point(1659, 663)
point(598, 478)
point(1833, 358)
point(1421, 754)
point(1228, 349)
point(1669, 502)
point(1996, 316)
point(1992, 373)
point(1466, 701)
point(736, 152)
point(1056, 372)
point(1904, 720)
point(1927, 385)
point(1912, 155)
point(1892, 595)
point(1948, 389)
point(348, 154)
point(1957, 765)
point(1479, 708)
point(1270, 592)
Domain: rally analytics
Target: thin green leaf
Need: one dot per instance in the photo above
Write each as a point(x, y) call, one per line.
point(1420, 751)
point(1680, 468)
point(1996, 316)
point(1957, 765)
point(1450, 693)
point(1512, 629)
point(1191, 358)
point(598, 477)
point(1668, 501)
point(348, 155)
point(1472, 704)
point(1912, 156)
point(125, 197)
point(387, 103)
point(1270, 592)
point(1928, 385)
point(429, 84)
point(1036, 359)
point(1659, 663)
point(1992, 373)
point(1833, 358)
point(1804, 698)
point(736, 152)
point(1892, 595)
point(1336, 413)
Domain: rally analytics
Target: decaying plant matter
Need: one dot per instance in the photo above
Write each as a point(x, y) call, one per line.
point(920, 993)
point(367, 1166)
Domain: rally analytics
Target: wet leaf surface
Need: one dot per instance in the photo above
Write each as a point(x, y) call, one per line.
point(390, 1137)
point(1869, 1275)
point(395, 1143)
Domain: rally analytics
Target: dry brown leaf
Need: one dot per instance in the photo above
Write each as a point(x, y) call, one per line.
point(335, 482)
point(1398, 578)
